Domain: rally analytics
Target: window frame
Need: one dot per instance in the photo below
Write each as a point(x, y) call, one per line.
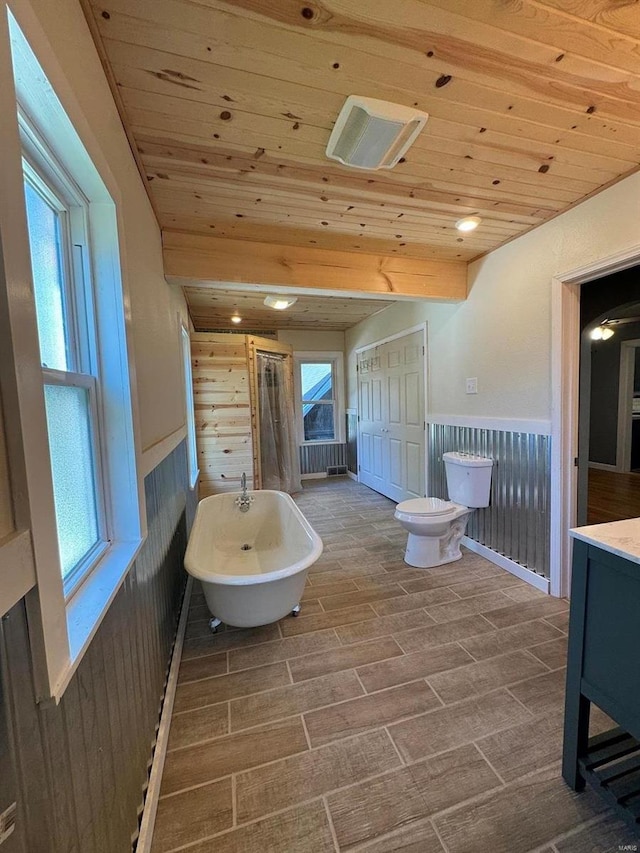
point(336, 359)
point(60, 628)
point(48, 178)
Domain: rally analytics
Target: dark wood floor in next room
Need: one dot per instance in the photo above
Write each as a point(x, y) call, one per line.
point(404, 710)
point(613, 495)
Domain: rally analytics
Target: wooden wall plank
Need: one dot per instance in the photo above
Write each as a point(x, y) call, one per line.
point(222, 412)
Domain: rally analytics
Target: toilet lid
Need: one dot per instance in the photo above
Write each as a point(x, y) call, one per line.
point(425, 506)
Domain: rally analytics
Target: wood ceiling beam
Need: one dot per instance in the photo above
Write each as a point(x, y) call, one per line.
point(191, 259)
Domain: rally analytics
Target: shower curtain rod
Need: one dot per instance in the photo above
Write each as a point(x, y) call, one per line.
point(274, 356)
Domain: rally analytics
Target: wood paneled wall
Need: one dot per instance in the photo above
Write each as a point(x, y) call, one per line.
point(81, 765)
point(222, 403)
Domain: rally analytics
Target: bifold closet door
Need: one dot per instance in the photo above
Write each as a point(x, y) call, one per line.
point(391, 417)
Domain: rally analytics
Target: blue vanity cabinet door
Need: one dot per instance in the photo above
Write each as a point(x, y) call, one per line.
point(603, 663)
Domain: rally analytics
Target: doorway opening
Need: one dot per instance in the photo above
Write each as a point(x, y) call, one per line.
point(607, 489)
point(571, 387)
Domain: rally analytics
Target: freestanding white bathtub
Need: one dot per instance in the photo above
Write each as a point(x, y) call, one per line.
point(253, 565)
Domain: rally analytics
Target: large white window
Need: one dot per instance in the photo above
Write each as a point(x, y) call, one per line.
point(61, 270)
point(319, 381)
point(85, 511)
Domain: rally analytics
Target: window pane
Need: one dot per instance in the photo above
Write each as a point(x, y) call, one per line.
point(317, 381)
point(318, 422)
point(73, 472)
point(44, 238)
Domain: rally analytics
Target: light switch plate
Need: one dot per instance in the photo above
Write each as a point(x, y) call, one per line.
point(472, 385)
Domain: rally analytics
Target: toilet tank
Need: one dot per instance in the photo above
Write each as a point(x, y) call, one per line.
point(468, 478)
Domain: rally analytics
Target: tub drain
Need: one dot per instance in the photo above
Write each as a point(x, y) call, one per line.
point(245, 547)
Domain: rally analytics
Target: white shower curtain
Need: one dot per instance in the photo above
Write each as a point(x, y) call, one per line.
point(279, 459)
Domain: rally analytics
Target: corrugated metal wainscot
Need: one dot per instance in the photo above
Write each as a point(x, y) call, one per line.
point(516, 523)
point(316, 458)
point(81, 765)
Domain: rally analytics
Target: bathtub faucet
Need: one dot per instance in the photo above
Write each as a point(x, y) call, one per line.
point(244, 501)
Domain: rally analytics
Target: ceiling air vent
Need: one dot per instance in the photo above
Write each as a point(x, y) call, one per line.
point(372, 134)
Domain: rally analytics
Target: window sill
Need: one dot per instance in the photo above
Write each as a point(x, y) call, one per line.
point(321, 441)
point(86, 610)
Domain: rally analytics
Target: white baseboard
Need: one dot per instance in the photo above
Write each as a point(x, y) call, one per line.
point(319, 476)
point(602, 466)
point(352, 475)
point(509, 565)
point(145, 836)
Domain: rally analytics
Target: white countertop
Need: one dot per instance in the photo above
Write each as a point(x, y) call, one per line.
point(616, 537)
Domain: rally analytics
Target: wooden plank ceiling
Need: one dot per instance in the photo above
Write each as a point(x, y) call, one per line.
point(534, 105)
point(211, 309)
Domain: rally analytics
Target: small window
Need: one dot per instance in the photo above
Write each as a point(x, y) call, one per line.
point(56, 220)
point(192, 450)
point(319, 392)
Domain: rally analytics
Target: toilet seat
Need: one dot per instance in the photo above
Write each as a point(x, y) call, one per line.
point(425, 507)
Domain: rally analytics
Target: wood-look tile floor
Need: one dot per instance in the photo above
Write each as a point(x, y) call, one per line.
point(414, 710)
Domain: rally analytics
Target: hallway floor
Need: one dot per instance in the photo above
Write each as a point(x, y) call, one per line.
point(404, 710)
point(612, 496)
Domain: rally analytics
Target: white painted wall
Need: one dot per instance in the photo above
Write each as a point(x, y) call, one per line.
point(502, 333)
point(312, 341)
point(59, 35)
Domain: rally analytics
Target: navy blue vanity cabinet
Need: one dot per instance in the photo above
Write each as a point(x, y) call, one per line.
point(603, 667)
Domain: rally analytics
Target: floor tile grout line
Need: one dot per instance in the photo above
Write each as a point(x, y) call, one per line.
point(213, 678)
point(234, 800)
point(332, 828)
point(586, 824)
point(370, 777)
point(482, 754)
point(443, 704)
point(445, 846)
point(240, 826)
point(403, 762)
point(373, 663)
point(300, 752)
point(346, 669)
point(530, 654)
point(220, 651)
point(518, 700)
point(488, 660)
point(306, 732)
point(173, 794)
point(291, 681)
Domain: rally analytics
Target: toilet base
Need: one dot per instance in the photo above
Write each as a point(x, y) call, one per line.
point(426, 552)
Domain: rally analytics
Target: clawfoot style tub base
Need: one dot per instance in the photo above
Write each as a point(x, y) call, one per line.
point(215, 623)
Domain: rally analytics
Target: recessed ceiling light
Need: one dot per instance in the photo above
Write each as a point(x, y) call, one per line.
point(236, 319)
point(280, 303)
point(468, 223)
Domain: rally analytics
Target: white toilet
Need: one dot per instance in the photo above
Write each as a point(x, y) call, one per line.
point(436, 527)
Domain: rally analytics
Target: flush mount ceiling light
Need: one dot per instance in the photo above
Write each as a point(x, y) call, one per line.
point(468, 223)
point(280, 303)
point(236, 318)
point(373, 134)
